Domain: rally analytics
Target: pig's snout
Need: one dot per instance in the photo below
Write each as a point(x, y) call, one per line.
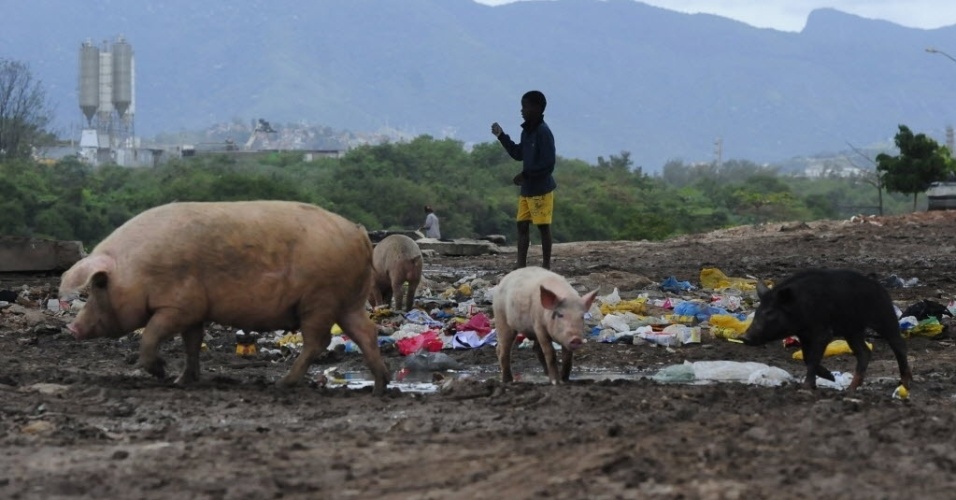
point(77, 333)
point(575, 343)
point(748, 339)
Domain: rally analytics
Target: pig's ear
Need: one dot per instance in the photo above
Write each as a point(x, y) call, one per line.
point(94, 269)
point(548, 299)
point(589, 298)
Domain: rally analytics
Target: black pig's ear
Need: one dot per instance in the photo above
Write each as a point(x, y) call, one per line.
point(785, 296)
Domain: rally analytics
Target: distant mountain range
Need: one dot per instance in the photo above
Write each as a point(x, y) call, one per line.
point(619, 74)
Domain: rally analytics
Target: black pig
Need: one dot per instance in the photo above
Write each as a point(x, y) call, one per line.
point(819, 304)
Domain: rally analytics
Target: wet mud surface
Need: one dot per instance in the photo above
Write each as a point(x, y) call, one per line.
point(77, 420)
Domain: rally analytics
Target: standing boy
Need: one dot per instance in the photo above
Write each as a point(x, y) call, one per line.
point(536, 152)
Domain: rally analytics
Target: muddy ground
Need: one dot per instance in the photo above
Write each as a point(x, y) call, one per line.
point(78, 421)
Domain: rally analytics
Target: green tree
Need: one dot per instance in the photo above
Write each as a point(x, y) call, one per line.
point(921, 161)
point(24, 112)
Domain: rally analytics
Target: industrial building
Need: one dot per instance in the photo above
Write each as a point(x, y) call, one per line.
point(107, 95)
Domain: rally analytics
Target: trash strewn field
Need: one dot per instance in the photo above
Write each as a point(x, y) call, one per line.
point(662, 403)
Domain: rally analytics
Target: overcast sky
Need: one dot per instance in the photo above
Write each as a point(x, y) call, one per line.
point(791, 15)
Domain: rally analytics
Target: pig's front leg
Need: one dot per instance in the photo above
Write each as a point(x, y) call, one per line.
point(398, 295)
point(566, 364)
point(813, 347)
point(506, 339)
point(364, 333)
point(160, 327)
point(857, 343)
point(550, 358)
point(316, 336)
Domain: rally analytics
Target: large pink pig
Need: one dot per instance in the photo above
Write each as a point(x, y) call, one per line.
point(255, 265)
point(397, 260)
point(542, 305)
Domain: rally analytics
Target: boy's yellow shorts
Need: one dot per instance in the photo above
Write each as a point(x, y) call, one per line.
point(537, 209)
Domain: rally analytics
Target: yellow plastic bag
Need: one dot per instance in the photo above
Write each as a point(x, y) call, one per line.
point(725, 326)
point(636, 306)
point(724, 333)
point(929, 327)
point(714, 279)
point(678, 319)
point(377, 314)
point(835, 348)
point(336, 329)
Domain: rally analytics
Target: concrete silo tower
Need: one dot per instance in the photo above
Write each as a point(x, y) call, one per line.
point(104, 113)
point(122, 91)
point(89, 80)
point(107, 96)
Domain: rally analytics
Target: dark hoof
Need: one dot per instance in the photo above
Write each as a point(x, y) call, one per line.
point(157, 368)
point(186, 379)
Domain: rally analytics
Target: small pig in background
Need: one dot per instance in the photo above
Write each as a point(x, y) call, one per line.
point(819, 304)
point(254, 265)
point(396, 260)
point(542, 305)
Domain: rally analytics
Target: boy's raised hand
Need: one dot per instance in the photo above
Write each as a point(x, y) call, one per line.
point(496, 129)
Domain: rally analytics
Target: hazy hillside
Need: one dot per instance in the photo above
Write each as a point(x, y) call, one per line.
point(620, 75)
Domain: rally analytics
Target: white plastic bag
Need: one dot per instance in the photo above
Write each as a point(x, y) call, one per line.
point(611, 299)
point(616, 322)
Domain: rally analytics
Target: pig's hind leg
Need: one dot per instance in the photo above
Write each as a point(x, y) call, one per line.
point(506, 339)
point(891, 333)
point(192, 341)
point(357, 325)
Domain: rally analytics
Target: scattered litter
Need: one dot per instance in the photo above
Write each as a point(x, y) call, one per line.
point(672, 285)
point(672, 335)
point(901, 393)
point(636, 306)
point(473, 340)
point(927, 309)
point(421, 317)
point(725, 326)
point(894, 281)
point(246, 343)
point(428, 341)
point(431, 361)
point(45, 388)
point(724, 371)
point(38, 427)
point(477, 323)
point(841, 380)
point(929, 327)
point(712, 278)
